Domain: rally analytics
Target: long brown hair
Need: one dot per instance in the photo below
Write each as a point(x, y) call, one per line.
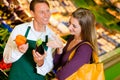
point(87, 21)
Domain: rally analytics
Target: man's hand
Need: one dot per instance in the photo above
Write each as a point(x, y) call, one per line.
point(23, 48)
point(38, 58)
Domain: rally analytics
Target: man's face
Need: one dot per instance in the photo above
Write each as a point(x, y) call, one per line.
point(41, 13)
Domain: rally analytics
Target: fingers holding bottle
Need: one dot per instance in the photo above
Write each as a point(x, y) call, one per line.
point(38, 58)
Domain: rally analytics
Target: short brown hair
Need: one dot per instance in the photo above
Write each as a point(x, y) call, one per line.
point(34, 2)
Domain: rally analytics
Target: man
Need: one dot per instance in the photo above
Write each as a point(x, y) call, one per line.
point(27, 64)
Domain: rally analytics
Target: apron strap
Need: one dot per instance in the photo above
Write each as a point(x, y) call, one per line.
point(28, 29)
point(46, 38)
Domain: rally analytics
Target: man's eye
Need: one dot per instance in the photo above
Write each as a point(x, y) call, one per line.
point(41, 12)
point(67, 24)
point(48, 11)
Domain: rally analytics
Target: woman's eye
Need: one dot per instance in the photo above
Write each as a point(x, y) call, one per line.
point(68, 24)
point(74, 26)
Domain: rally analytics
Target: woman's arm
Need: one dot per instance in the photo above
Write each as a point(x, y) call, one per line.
point(81, 57)
point(56, 60)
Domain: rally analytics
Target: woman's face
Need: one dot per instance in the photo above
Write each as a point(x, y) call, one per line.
point(74, 27)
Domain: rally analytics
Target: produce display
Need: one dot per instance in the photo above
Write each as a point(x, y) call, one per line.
point(106, 12)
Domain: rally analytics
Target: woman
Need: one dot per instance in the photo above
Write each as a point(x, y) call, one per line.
point(82, 28)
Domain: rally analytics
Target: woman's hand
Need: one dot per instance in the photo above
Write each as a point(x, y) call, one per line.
point(23, 48)
point(56, 43)
point(59, 50)
point(38, 58)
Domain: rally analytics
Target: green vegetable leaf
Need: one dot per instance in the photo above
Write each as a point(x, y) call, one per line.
point(38, 42)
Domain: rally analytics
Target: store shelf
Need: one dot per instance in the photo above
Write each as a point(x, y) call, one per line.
point(110, 58)
point(108, 31)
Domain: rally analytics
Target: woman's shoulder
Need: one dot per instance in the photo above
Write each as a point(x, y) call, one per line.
point(85, 45)
point(84, 48)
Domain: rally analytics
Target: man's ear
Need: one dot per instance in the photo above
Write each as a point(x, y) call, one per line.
point(32, 13)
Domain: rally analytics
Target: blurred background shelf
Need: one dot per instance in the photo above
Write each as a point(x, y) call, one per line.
point(107, 14)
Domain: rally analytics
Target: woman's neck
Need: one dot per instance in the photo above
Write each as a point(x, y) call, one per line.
point(77, 38)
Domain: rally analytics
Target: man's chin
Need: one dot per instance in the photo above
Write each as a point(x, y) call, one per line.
point(45, 23)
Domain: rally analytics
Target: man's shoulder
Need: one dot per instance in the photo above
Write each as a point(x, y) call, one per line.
point(22, 27)
point(50, 31)
point(25, 24)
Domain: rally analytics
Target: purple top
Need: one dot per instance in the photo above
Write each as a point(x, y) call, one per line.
point(82, 56)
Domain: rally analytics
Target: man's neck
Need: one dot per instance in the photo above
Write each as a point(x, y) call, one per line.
point(38, 27)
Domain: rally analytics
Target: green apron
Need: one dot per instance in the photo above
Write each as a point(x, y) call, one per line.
point(25, 67)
